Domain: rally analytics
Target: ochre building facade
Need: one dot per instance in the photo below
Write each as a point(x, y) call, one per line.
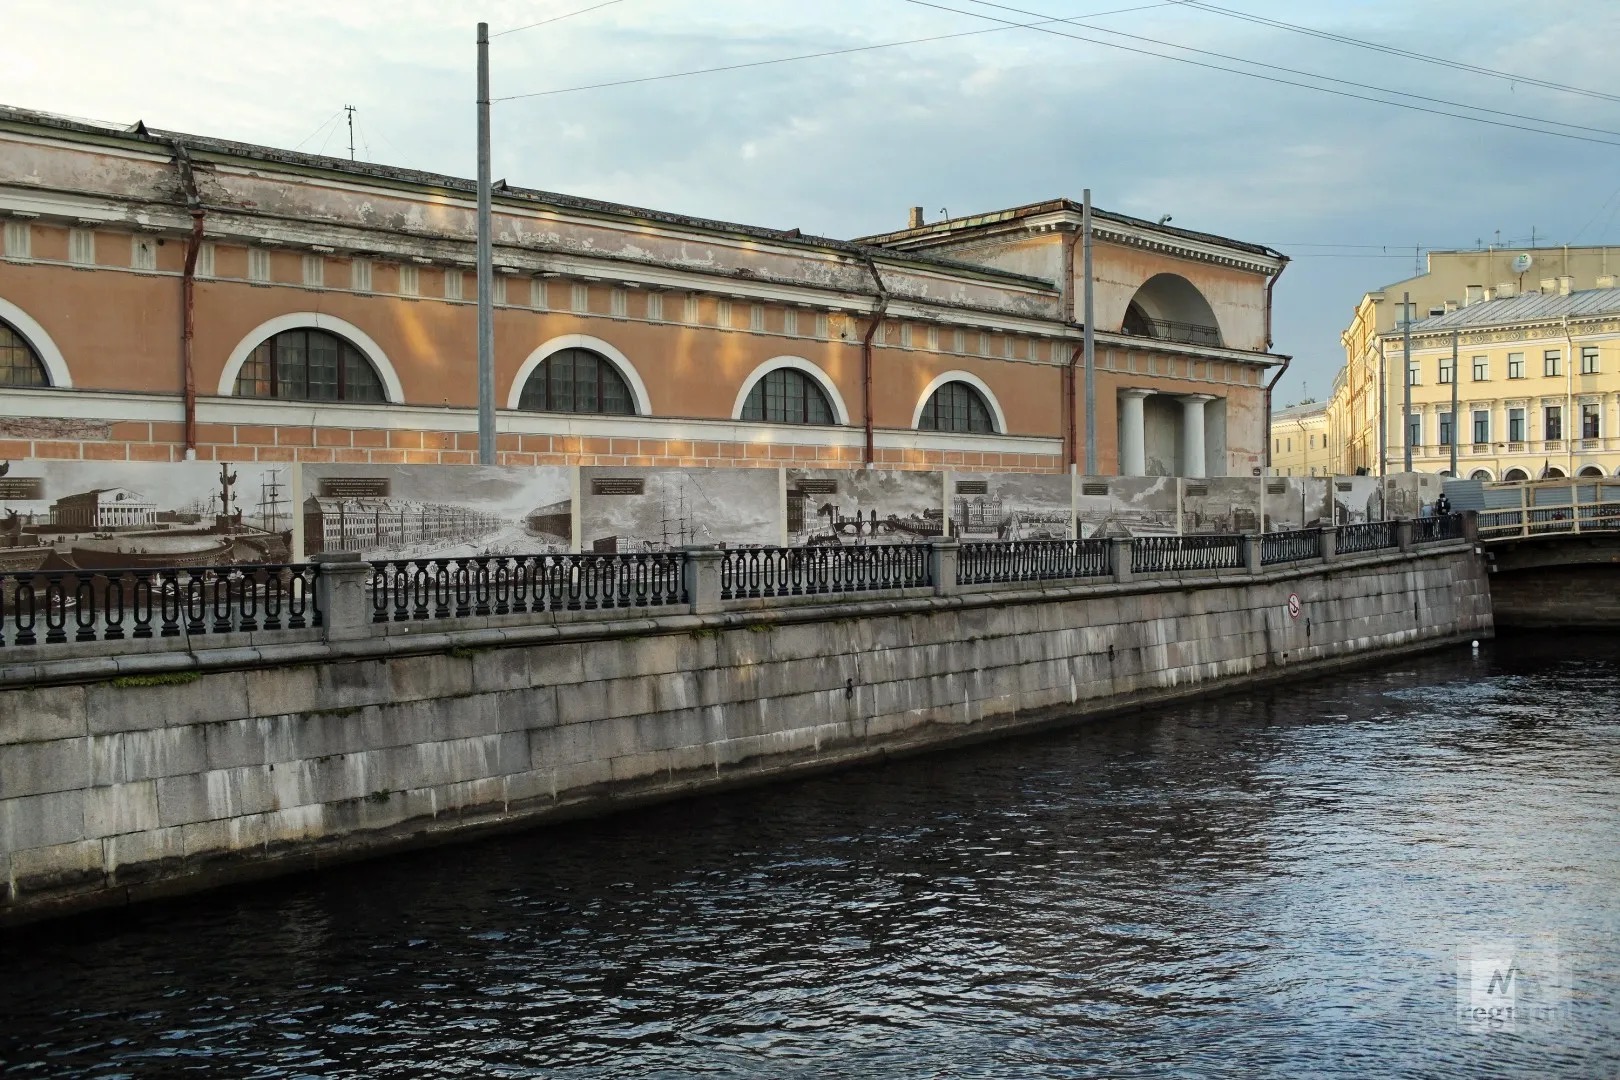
point(165, 296)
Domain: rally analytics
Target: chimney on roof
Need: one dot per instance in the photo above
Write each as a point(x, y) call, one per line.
point(1549, 285)
point(1506, 289)
point(1451, 305)
point(1605, 281)
point(1472, 294)
point(1489, 295)
point(916, 218)
point(1566, 285)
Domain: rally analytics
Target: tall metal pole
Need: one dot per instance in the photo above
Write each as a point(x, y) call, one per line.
point(1383, 410)
point(1455, 427)
point(1406, 379)
point(486, 267)
point(1090, 340)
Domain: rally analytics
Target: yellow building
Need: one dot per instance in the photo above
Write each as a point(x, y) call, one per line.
point(1538, 387)
point(1299, 441)
point(1453, 281)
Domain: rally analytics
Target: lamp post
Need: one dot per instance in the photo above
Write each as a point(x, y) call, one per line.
point(486, 269)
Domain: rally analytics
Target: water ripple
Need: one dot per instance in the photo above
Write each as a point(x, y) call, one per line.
point(1271, 885)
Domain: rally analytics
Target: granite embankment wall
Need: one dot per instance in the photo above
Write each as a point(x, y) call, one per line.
point(191, 769)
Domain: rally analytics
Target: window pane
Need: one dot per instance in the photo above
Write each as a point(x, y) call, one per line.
point(18, 364)
point(615, 392)
point(254, 378)
point(323, 367)
point(292, 351)
point(534, 390)
point(360, 383)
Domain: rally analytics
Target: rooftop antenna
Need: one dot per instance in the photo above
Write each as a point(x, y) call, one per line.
point(350, 110)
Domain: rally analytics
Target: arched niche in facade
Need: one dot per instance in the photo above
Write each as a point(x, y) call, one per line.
point(1168, 307)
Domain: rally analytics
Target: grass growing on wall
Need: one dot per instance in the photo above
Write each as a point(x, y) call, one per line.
point(167, 678)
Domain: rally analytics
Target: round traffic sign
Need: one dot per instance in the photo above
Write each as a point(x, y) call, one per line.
point(1293, 605)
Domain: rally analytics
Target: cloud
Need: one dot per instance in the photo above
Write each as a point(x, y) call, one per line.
point(843, 145)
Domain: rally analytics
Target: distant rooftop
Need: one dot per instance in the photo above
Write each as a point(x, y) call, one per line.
point(1528, 307)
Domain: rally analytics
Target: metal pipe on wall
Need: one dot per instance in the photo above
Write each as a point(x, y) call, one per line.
point(866, 357)
point(1406, 378)
point(188, 295)
point(1089, 339)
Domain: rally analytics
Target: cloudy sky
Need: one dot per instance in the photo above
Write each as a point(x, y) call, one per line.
point(842, 145)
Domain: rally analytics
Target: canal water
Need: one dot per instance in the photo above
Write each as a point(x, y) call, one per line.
point(1347, 877)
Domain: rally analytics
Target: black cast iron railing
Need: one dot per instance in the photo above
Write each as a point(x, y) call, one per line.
point(1169, 554)
point(747, 573)
point(1441, 527)
point(1366, 536)
point(118, 605)
point(1006, 561)
point(403, 590)
point(1293, 546)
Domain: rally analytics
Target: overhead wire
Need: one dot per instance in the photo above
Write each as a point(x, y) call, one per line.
point(1409, 54)
point(1278, 67)
point(820, 55)
point(318, 130)
point(556, 18)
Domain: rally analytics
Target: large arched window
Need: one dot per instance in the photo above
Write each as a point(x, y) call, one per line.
point(20, 365)
point(1515, 475)
point(308, 365)
point(786, 396)
point(956, 406)
point(577, 381)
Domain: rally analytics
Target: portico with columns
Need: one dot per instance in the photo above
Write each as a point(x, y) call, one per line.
point(1163, 433)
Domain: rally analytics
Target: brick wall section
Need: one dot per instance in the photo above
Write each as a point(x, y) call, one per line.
point(163, 441)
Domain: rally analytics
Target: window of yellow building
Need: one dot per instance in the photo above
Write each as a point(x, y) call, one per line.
point(1515, 365)
point(1589, 360)
point(1550, 365)
point(1482, 368)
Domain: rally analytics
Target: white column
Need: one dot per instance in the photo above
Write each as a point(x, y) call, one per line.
point(1132, 433)
point(1192, 434)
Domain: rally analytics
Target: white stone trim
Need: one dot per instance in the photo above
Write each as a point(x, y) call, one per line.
point(973, 381)
point(55, 367)
point(305, 320)
point(638, 389)
point(797, 363)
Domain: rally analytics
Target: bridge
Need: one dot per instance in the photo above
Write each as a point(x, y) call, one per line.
point(1555, 556)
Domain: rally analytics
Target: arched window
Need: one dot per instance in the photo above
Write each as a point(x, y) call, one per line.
point(1480, 474)
point(956, 406)
point(1590, 470)
point(786, 396)
point(20, 365)
point(1515, 475)
point(577, 381)
point(308, 365)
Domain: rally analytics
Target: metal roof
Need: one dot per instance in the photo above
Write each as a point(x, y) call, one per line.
point(971, 221)
point(1529, 307)
point(163, 141)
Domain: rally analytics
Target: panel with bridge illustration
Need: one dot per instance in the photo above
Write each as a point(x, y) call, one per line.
point(627, 510)
point(98, 515)
point(1112, 506)
point(1297, 502)
point(436, 511)
point(1011, 506)
point(827, 507)
point(1221, 505)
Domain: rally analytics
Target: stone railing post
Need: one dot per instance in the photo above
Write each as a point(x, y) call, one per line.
point(942, 564)
point(1403, 533)
point(340, 588)
point(701, 565)
point(1253, 553)
point(1119, 555)
point(1470, 526)
point(1330, 543)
